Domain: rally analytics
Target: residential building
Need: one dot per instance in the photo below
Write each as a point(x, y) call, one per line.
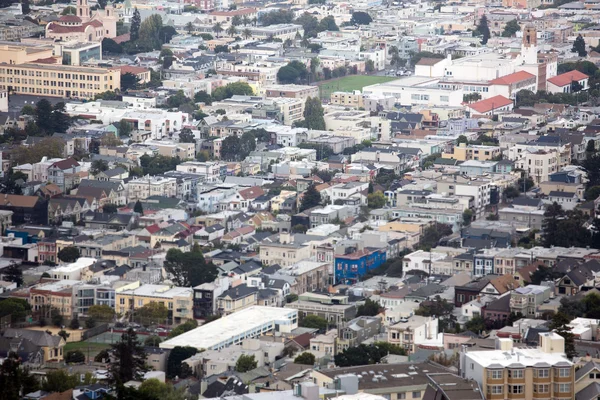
point(178, 300)
point(413, 331)
point(355, 263)
point(357, 331)
point(237, 298)
point(336, 309)
point(526, 300)
point(524, 373)
point(235, 328)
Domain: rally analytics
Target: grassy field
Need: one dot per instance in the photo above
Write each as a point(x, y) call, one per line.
point(350, 83)
point(94, 348)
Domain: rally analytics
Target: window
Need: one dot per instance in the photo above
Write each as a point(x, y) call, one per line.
point(564, 372)
point(541, 373)
point(495, 374)
point(515, 389)
point(541, 388)
point(515, 373)
point(495, 389)
point(562, 387)
point(416, 395)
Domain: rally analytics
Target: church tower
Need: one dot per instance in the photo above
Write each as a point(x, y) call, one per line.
point(83, 10)
point(529, 48)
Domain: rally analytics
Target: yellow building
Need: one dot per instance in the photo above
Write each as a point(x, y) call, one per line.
point(522, 373)
point(350, 99)
point(58, 80)
point(18, 54)
point(178, 300)
point(462, 152)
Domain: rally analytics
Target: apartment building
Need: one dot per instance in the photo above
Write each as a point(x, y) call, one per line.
point(292, 91)
point(357, 331)
point(178, 300)
point(412, 332)
point(336, 309)
point(58, 80)
point(146, 186)
point(211, 171)
point(310, 275)
point(464, 152)
point(57, 294)
point(522, 373)
point(352, 99)
point(526, 300)
point(284, 252)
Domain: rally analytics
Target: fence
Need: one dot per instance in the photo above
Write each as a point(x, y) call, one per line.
point(97, 330)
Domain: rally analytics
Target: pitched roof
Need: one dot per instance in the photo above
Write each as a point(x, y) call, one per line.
point(490, 104)
point(512, 78)
point(429, 61)
point(504, 283)
point(252, 192)
point(566, 78)
point(132, 70)
point(18, 200)
point(65, 164)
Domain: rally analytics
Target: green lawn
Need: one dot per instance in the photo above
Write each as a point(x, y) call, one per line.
point(94, 348)
point(350, 83)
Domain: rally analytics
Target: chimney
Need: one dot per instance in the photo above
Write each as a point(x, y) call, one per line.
point(285, 238)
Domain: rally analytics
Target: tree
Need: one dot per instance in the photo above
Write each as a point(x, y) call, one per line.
point(592, 193)
point(366, 354)
point(152, 341)
point(475, 324)
point(74, 356)
point(74, 324)
point(186, 136)
point(111, 47)
point(511, 28)
point(110, 208)
point(232, 30)
point(311, 198)
point(579, 46)
point(129, 358)
point(134, 29)
point(592, 166)
point(98, 166)
point(203, 97)
point(369, 308)
point(18, 309)
point(432, 236)
point(313, 114)
point(149, 35)
point(511, 192)
point(43, 115)
point(129, 81)
point(90, 323)
point(483, 30)
point(370, 65)
point(68, 254)
point(550, 224)
point(13, 273)
point(376, 200)
point(138, 208)
point(15, 379)
point(217, 28)
point(189, 269)
point(182, 328)
point(462, 139)
point(305, 358)
point(59, 380)
point(293, 72)
point(57, 318)
point(231, 89)
point(230, 148)
point(102, 312)
point(277, 17)
point(189, 27)
point(175, 361)
point(560, 326)
point(166, 56)
point(315, 322)
point(467, 216)
point(69, 10)
point(360, 18)
point(247, 33)
point(327, 24)
point(152, 313)
point(245, 363)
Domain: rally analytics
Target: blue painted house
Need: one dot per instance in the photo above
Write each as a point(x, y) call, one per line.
point(350, 267)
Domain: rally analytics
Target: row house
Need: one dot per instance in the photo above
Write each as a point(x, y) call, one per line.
point(67, 208)
point(65, 173)
point(144, 187)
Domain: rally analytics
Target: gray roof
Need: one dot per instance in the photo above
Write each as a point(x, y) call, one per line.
point(590, 392)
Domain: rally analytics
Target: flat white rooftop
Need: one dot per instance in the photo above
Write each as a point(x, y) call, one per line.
point(209, 336)
point(82, 262)
point(524, 356)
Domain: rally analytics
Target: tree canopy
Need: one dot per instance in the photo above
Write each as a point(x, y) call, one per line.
point(189, 269)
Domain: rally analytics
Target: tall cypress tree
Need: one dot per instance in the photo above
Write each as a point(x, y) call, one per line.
point(136, 21)
point(313, 114)
point(130, 358)
point(484, 29)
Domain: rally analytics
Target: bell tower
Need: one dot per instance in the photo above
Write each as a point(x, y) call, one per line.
point(529, 48)
point(83, 10)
